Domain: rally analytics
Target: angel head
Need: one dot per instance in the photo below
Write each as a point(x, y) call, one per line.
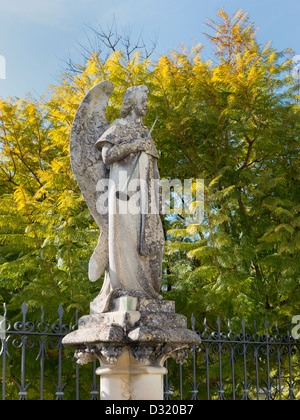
point(135, 100)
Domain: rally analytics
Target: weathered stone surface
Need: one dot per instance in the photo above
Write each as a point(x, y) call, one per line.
point(131, 378)
point(89, 124)
point(150, 328)
point(130, 330)
point(104, 156)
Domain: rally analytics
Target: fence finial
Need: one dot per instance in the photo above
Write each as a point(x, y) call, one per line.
point(193, 319)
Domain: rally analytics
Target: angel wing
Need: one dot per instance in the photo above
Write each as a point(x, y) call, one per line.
point(88, 126)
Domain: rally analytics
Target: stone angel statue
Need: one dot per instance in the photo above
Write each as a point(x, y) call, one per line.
point(107, 159)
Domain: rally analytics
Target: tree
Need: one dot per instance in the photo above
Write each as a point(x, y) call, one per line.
point(47, 234)
point(238, 128)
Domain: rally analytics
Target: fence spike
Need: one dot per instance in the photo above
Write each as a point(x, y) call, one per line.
point(244, 325)
point(266, 325)
point(24, 308)
point(193, 319)
point(219, 323)
point(43, 314)
point(60, 311)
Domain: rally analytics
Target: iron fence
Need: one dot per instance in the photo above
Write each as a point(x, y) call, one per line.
point(226, 365)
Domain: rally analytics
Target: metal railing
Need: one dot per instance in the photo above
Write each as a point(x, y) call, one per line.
point(241, 366)
point(34, 364)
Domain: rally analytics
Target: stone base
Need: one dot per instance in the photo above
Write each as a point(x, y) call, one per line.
point(132, 342)
point(129, 379)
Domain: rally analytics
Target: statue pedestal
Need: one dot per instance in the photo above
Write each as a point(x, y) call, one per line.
point(129, 379)
point(132, 341)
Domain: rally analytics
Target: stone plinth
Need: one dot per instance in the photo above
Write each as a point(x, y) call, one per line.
point(129, 379)
point(132, 341)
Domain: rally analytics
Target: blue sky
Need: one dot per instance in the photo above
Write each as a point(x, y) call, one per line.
point(36, 35)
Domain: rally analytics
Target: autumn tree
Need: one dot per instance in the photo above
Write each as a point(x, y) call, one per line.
point(232, 121)
point(236, 124)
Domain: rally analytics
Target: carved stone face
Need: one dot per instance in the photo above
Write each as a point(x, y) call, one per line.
point(135, 100)
point(141, 105)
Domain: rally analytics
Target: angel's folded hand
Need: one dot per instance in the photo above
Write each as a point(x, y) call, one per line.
point(112, 154)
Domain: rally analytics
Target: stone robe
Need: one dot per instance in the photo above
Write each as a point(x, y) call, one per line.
point(135, 233)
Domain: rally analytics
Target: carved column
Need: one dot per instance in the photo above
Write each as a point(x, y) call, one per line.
point(132, 341)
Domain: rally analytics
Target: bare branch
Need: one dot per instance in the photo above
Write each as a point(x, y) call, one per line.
point(104, 41)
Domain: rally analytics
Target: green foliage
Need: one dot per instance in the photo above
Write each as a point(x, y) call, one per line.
point(233, 122)
point(243, 116)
